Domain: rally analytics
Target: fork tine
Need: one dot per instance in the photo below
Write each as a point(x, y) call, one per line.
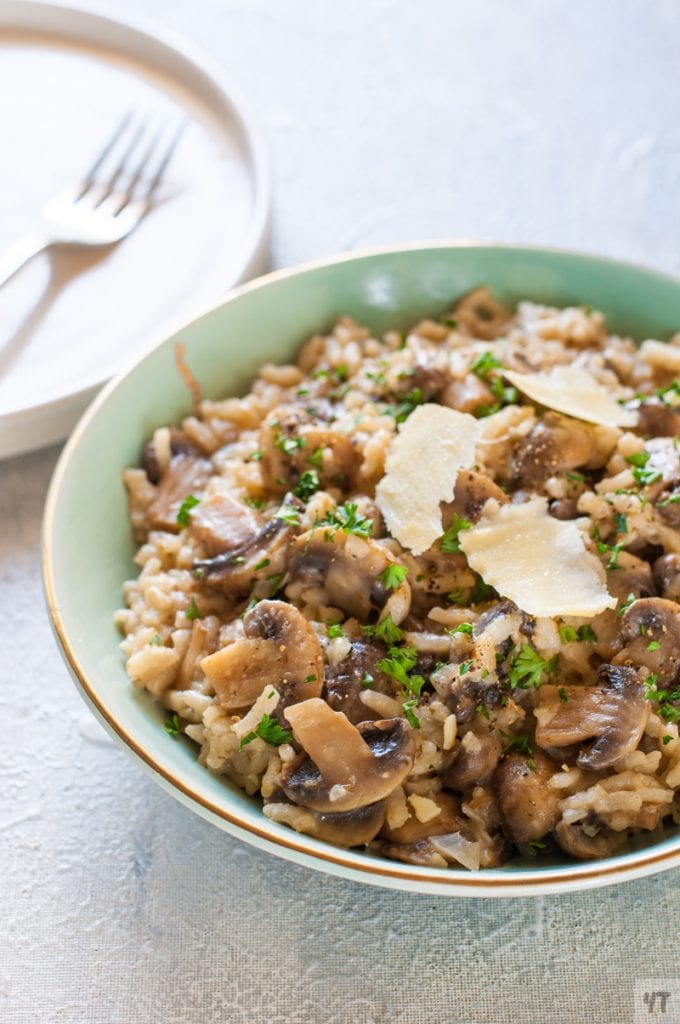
point(136, 175)
point(165, 160)
point(120, 169)
point(88, 180)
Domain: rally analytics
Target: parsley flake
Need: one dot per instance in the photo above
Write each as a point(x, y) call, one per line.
point(192, 611)
point(268, 730)
point(171, 726)
point(348, 519)
point(307, 485)
point(528, 668)
point(393, 576)
point(450, 543)
point(191, 501)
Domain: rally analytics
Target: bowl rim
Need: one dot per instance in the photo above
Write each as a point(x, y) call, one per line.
point(345, 862)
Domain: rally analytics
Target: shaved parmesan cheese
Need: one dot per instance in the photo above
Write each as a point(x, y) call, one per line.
point(573, 391)
point(540, 563)
point(421, 468)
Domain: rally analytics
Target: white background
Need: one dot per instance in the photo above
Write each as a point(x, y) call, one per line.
point(548, 122)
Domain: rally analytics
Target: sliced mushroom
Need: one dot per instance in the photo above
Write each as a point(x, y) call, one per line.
point(632, 576)
point(172, 441)
point(346, 681)
point(614, 714)
point(221, 523)
point(422, 853)
point(667, 576)
point(188, 473)
point(428, 379)
point(529, 808)
point(349, 567)
point(668, 507)
point(589, 840)
point(262, 557)
point(474, 761)
point(344, 766)
point(482, 313)
point(555, 444)
point(347, 829)
point(471, 494)
point(650, 637)
point(279, 649)
point(656, 419)
point(293, 441)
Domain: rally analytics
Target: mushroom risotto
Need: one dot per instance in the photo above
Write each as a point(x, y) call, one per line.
point(420, 592)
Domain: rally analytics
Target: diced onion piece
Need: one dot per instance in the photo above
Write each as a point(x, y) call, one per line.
point(454, 846)
point(421, 468)
point(575, 392)
point(539, 562)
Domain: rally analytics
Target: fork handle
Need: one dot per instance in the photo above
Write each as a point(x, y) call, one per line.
point(19, 253)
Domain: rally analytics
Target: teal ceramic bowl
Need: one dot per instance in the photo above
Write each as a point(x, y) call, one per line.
point(88, 547)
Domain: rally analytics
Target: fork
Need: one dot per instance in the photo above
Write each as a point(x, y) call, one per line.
point(105, 206)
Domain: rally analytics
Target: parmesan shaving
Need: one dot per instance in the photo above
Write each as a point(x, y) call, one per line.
point(421, 467)
point(573, 391)
point(540, 563)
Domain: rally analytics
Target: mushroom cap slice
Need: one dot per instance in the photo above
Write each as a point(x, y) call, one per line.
point(348, 568)
point(474, 760)
point(529, 808)
point(575, 840)
point(667, 576)
point(344, 766)
point(280, 649)
point(346, 829)
point(188, 473)
point(221, 523)
point(614, 714)
point(450, 819)
point(650, 636)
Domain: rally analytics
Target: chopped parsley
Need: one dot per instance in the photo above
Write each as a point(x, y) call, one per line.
point(309, 679)
point(613, 550)
point(563, 695)
point(667, 699)
point(192, 611)
point(275, 581)
point(528, 668)
point(255, 456)
point(334, 630)
point(643, 476)
point(448, 321)
point(263, 564)
point(348, 519)
point(482, 592)
point(288, 514)
point(577, 478)
point(464, 627)
point(171, 726)
point(406, 406)
point(268, 730)
point(316, 458)
point(156, 641)
point(393, 576)
point(653, 645)
point(666, 739)
point(450, 544)
point(465, 667)
point(409, 713)
point(398, 665)
point(307, 485)
point(621, 523)
point(484, 364)
point(289, 445)
point(518, 743)
point(367, 682)
point(258, 503)
point(674, 499)
point(387, 630)
point(456, 597)
point(191, 501)
point(584, 633)
point(627, 603)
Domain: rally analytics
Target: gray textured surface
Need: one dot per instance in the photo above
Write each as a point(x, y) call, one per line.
point(533, 121)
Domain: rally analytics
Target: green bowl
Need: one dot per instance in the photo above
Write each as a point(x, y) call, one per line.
point(88, 549)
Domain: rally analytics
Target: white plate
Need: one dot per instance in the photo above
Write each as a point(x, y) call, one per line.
point(69, 321)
